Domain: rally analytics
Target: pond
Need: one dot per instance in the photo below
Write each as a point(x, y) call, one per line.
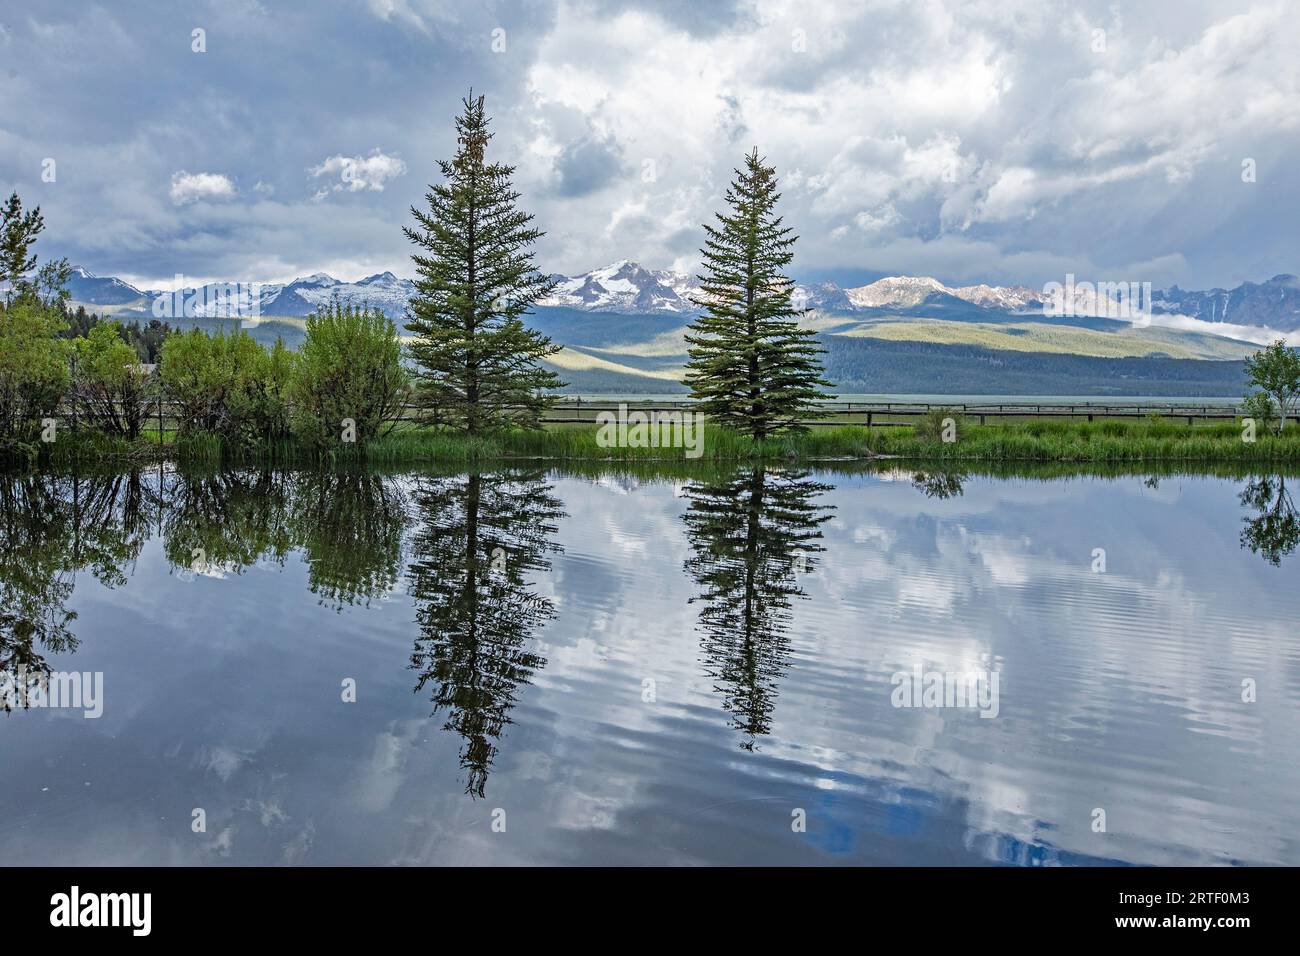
point(760, 665)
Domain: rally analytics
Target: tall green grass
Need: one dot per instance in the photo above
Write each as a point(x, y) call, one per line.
point(1104, 441)
point(1111, 441)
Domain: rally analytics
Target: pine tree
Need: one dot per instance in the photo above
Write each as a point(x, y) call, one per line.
point(478, 362)
point(18, 232)
point(751, 364)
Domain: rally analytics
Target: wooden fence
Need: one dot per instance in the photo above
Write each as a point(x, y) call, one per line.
point(885, 414)
point(162, 416)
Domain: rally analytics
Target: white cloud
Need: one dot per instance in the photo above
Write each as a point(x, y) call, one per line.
point(356, 173)
point(967, 139)
point(969, 119)
point(191, 187)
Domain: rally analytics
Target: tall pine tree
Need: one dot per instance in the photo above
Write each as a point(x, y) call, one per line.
point(752, 366)
point(479, 364)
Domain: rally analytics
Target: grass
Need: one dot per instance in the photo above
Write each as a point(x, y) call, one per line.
point(1045, 440)
point(1151, 440)
point(1035, 441)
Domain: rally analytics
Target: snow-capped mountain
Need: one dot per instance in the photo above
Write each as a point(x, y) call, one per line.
point(623, 286)
point(907, 292)
point(87, 287)
point(383, 291)
point(628, 288)
point(1009, 298)
point(1275, 303)
point(897, 292)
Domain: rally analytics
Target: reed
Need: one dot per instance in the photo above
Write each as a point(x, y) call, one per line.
point(1103, 442)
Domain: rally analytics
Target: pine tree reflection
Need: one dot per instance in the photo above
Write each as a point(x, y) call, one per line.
point(479, 536)
point(752, 534)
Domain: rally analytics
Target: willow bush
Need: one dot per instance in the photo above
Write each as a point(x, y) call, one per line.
point(349, 384)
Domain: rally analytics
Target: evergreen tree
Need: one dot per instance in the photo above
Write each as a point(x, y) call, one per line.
point(752, 366)
point(18, 232)
point(478, 363)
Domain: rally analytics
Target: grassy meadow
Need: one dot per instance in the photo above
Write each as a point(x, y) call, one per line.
point(1113, 441)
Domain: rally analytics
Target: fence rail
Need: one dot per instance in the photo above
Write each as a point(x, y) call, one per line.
point(162, 415)
point(885, 414)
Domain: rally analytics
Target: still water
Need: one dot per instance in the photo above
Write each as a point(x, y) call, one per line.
point(539, 666)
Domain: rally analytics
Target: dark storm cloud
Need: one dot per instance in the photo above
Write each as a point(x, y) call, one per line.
point(585, 166)
point(1002, 142)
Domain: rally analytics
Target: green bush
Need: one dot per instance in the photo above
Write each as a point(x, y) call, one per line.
point(931, 425)
point(262, 406)
point(1261, 407)
point(110, 387)
point(349, 369)
point(33, 370)
point(228, 386)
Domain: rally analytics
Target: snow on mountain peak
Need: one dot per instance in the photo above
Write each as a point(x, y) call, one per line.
point(626, 287)
point(316, 278)
point(621, 286)
point(895, 292)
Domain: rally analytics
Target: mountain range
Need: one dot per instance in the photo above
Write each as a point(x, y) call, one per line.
point(623, 330)
point(624, 287)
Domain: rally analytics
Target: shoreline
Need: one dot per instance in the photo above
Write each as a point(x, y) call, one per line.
point(1104, 442)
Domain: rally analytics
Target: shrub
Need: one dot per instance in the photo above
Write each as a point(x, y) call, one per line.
point(1275, 371)
point(110, 387)
point(261, 407)
point(932, 425)
point(1261, 407)
point(349, 368)
point(33, 369)
point(227, 385)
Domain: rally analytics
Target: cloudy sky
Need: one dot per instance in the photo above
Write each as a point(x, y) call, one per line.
point(986, 140)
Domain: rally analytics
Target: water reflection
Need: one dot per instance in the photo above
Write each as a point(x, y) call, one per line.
point(50, 528)
point(478, 539)
point(224, 522)
point(939, 484)
point(1121, 689)
point(350, 526)
point(752, 534)
point(1273, 530)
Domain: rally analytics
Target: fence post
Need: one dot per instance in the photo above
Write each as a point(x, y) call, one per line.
point(160, 423)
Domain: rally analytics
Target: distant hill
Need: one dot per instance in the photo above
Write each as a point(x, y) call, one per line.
point(622, 327)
